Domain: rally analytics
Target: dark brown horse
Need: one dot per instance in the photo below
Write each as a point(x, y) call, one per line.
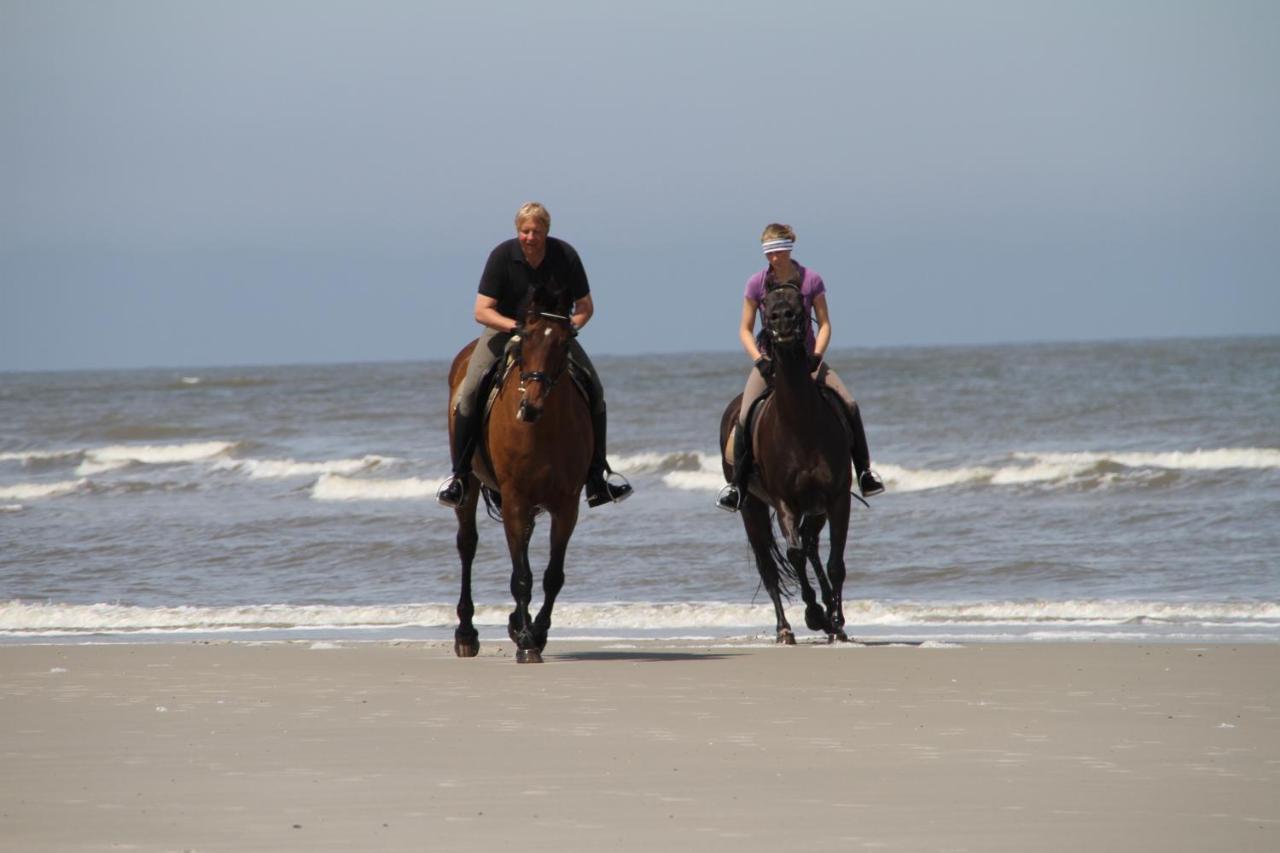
point(534, 452)
point(801, 450)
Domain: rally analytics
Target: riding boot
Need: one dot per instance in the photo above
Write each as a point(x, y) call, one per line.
point(731, 496)
point(869, 482)
point(599, 490)
point(453, 491)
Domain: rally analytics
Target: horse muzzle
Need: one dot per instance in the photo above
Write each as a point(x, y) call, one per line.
point(528, 412)
point(784, 337)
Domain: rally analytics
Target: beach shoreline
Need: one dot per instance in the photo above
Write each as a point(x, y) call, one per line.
point(726, 746)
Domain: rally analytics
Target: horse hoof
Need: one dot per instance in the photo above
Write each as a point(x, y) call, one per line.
point(528, 656)
point(466, 648)
point(786, 638)
point(815, 619)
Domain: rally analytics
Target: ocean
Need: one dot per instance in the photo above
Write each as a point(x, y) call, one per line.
point(1036, 492)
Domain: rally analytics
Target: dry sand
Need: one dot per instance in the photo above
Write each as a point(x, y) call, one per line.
point(300, 746)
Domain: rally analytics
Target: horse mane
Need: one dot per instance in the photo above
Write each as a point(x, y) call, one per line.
point(548, 298)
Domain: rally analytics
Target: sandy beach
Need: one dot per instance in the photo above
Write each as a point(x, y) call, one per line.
point(636, 746)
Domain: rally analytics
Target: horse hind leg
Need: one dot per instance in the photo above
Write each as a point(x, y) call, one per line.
point(755, 518)
point(466, 639)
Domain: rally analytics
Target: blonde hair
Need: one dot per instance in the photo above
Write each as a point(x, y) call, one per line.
point(778, 231)
point(533, 210)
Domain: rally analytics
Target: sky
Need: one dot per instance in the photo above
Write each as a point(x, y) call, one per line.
point(268, 182)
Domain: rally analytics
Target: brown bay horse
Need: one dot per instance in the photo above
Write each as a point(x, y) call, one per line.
point(803, 472)
point(534, 451)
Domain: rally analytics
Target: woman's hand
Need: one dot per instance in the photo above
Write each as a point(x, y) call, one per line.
point(764, 364)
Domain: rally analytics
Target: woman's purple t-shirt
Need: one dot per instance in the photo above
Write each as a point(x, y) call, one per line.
point(811, 287)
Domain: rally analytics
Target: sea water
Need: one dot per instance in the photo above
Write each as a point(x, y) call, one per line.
point(1120, 490)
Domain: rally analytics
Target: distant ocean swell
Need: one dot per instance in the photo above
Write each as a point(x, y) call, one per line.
point(366, 477)
point(28, 619)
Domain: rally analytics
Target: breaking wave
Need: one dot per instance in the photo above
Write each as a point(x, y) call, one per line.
point(18, 618)
point(335, 487)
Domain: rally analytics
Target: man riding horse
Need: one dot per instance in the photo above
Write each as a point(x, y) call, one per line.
point(514, 268)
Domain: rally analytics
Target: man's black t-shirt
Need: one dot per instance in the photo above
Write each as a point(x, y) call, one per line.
point(508, 277)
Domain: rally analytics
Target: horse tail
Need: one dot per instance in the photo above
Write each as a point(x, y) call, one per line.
point(788, 577)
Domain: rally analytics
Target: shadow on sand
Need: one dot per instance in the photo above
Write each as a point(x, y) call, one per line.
point(639, 656)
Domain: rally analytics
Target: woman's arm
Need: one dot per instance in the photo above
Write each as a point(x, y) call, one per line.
point(747, 329)
point(823, 338)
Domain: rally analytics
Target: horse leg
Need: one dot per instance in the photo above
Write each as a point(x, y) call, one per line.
point(519, 628)
point(755, 518)
point(562, 524)
point(466, 640)
point(839, 526)
point(823, 618)
point(814, 618)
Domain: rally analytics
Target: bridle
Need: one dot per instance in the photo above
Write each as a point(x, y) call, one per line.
point(548, 382)
point(774, 334)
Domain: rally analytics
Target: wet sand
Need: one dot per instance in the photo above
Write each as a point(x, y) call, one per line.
point(640, 746)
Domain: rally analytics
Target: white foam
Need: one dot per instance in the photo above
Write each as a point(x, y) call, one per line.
point(707, 476)
point(259, 469)
point(650, 463)
point(12, 508)
point(191, 380)
point(28, 456)
point(1196, 460)
point(335, 487)
point(1031, 620)
point(112, 457)
point(35, 491)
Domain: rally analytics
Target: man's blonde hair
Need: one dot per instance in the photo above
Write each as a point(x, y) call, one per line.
point(533, 210)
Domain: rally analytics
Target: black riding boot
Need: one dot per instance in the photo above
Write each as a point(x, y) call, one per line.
point(453, 491)
point(599, 489)
point(869, 482)
point(731, 496)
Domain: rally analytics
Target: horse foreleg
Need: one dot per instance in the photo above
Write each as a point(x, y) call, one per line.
point(562, 524)
point(466, 640)
point(815, 619)
point(839, 527)
point(519, 628)
point(816, 616)
point(755, 518)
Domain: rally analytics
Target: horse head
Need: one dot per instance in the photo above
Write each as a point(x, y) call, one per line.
point(543, 355)
point(785, 318)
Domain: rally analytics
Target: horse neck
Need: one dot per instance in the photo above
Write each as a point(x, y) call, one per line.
point(797, 395)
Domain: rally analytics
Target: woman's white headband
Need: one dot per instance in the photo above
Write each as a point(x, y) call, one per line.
point(782, 245)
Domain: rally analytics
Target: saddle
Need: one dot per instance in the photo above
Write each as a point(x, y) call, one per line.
point(753, 415)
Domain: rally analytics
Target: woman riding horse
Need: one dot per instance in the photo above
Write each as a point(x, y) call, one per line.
point(777, 241)
point(802, 450)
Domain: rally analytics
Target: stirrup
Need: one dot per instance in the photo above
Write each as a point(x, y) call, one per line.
point(452, 492)
point(612, 493)
point(729, 499)
point(870, 484)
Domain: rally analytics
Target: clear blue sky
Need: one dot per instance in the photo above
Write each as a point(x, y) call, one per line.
point(207, 183)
